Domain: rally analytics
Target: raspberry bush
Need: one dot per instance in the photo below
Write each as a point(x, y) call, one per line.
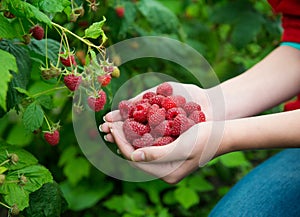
point(53, 59)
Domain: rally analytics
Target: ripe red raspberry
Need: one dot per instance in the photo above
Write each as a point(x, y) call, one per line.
point(168, 103)
point(124, 108)
point(120, 11)
point(164, 89)
point(144, 141)
point(97, 103)
point(160, 141)
point(37, 32)
point(181, 124)
point(189, 107)
point(156, 115)
point(72, 81)
point(140, 112)
point(157, 99)
point(165, 128)
point(292, 105)
point(134, 130)
point(68, 61)
point(173, 112)
point(197, 116)
point(148, 95)
point(52, 137)
point(104, 80)
point(179, 100)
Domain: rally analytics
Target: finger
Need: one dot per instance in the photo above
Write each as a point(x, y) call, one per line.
point(105, 127)
point(109, 138)
point(124, 146)
point(180, 149)
point(113, 116)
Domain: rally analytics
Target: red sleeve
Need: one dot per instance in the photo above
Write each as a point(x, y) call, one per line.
point(290, 10)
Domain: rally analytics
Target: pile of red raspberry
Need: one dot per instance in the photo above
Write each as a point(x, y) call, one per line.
point(159, 117)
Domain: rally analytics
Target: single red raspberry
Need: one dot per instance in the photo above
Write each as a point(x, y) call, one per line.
point(145, 141)
point(157, 99)
point(156, 115)
point(120, 11)
point(179, 100)
point(97, 103)
point(140, 112)
point(124, 108)
point(52, 137)
point(173, 112)
point(37, 32)
point(292, 105)
point(163, 141)
point(197, 116)
point(134, 130)
point(148, 95)
point(164, 89)
point(189, 107)
point(165, 128)
point(181, 124)
point(72, 81)
point(104, 80)
point(168, 103)
point(68, 61)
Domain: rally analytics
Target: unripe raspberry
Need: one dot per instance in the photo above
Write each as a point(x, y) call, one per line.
point(2, 179)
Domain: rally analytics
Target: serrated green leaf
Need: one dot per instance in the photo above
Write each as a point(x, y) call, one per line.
point(198, 183)
point(21, 78)
point(95, 31)
point(3, 169)
point(186, 197)
point(25, 158)
point(15, 193)
point(48, 201)
point(33, 117)
point(85, 195)
point(76, 169)
point(234, 159)
point(10, 64)
point(39, 48)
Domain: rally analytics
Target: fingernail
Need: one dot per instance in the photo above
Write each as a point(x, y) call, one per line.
point(104, 118)
point(100, 128)
point(105, 138)
point(138, 156)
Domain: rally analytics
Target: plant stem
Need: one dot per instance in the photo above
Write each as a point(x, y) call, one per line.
point(4, 162)
point(48, 124)
point(87, 42)
point(48, 91)
point(3, 204)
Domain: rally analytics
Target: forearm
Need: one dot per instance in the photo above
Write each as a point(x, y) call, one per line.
point(279, 130)
point(273, 80)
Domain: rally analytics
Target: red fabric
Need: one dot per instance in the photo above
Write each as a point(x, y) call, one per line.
point(290, 10)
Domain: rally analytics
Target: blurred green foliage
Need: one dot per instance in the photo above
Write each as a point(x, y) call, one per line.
point(231, 35)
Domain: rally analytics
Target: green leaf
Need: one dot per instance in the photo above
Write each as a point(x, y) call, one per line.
point(48, 201)
point(186, 197)
point(234, 159)
point(26, 10)
point(19, 136)
point(45, 101)
point(85, 195)
point(33, 117)
point(53, 6)
point(15, 193)
point(39, 47)
point(6, 29)
point(21, 90)
point(76, 169)
point(198, 183)
point(246, 28)
point(21, 78)
point(160, 18)
point(68, 155)
point(95, 31)
point(121, 204)
point(25, 158)
point(10, 64)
